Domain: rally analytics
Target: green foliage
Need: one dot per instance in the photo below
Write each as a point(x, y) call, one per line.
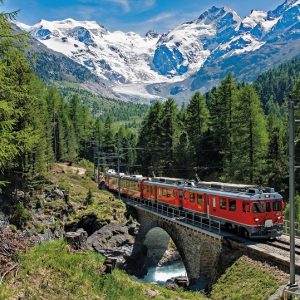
point(276, 83)
point(21, 215)
point(104, 107)
point(249, 138)
point(89, 198)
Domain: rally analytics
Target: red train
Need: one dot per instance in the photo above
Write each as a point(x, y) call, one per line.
point(251, 211)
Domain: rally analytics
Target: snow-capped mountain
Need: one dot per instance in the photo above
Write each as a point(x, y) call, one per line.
point(194, 55)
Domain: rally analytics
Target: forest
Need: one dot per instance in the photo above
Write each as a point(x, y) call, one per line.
point(236, 132)
point(39, 126)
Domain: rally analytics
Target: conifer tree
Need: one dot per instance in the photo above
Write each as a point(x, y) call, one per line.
point(250, 138)
point(277, 148)
point(222, 111)
point(168, 135)
point(149, 140)
point(295, 96)
point(197, 125)
point(109, 139)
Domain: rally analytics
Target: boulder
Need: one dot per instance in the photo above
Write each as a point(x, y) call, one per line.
point(113, 240)
point(4, 222)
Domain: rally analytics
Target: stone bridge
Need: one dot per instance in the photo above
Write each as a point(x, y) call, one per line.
point(200, 250)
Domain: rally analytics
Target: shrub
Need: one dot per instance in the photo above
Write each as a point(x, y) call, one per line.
point(21, 215)
point(89, 198)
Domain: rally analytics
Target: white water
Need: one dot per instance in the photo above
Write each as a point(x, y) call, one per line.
point(162, 274)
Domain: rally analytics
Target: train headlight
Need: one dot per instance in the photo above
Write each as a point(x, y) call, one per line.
point(256, 219)
point(279, 217)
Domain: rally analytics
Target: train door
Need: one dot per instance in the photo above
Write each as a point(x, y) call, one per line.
point(207, 205)
point(211, 205)
point(180, 197)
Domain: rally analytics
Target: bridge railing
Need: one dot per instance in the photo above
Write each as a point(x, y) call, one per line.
point(183, 216)
point(286, 228)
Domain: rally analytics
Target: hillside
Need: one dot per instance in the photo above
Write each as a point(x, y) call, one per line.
point(277, 82)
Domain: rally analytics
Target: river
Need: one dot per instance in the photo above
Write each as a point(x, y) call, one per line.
point(161, 274)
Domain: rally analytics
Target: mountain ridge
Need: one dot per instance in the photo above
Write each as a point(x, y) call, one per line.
point(182, 60)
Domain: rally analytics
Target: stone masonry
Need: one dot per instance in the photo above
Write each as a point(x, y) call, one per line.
point(200, 251)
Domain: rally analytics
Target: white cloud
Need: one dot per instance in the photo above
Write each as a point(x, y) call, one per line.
point(159, 17)
point(138, 5)
point(124, 3)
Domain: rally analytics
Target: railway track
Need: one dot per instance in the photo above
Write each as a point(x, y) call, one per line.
point(283, 245)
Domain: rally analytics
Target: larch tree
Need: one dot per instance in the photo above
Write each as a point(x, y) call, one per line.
point(197, 126)
point(250, 138)
point(223, 104)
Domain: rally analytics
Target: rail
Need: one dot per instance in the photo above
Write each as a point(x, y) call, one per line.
point(186, 217)
point(286, 228)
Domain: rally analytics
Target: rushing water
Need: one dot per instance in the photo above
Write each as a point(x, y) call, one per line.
point(162, 274)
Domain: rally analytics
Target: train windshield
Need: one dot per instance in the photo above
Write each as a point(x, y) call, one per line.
point(277, 206)
point(258, 207)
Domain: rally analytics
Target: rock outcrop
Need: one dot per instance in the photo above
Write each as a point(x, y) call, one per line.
point(114, 240)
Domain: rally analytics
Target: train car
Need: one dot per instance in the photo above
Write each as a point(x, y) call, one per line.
point(251, 211)
point(112, 181)
point(164, 190)
point(131, 186)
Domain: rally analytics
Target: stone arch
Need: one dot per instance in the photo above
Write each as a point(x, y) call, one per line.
point(198, 251)
point(157, 242)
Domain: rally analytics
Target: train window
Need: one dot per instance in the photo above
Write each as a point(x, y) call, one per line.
point(223, 203)
point(277, 206)
point(192, 197)
point(213, 199)
point(258, 207)
point(232, 205)
point(169, 193)
point(268, 207)
point(246, 207)
point(199, 200)
point(180, 194)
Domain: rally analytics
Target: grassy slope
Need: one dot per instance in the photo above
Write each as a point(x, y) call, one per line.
point(51, 271)
point(248, 279)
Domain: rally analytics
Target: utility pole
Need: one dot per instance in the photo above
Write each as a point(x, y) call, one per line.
point(292, 189)
point(292, 287)
point(119, 179)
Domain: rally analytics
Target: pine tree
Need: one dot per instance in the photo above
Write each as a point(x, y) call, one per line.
point(295, 96)
point(197, 125)
point(277, 148)
point(149, 140)
point(223, 104)
point(109, 139)
point(167, 137)
point(183, 164)
point(250, 138)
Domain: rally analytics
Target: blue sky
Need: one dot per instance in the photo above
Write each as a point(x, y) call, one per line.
point(128, 15)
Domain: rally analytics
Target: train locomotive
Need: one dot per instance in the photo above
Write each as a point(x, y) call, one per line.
point(250, 211)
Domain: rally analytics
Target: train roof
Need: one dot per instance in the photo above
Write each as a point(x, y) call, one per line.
point(246, 192)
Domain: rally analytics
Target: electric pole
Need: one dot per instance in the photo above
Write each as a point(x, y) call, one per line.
point(292, 286)
point(292, 189)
